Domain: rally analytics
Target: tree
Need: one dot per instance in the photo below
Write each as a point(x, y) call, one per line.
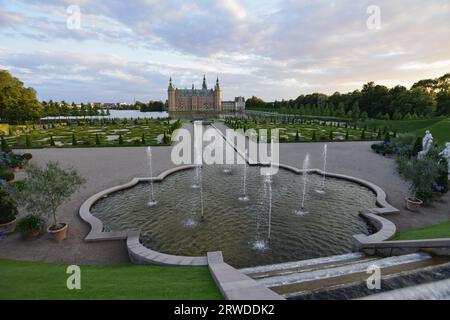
point(74, 139)
point(46, 188)
point(297, 136)
point(17, 103)
point(28, 140)
point(331, 135)
point(255, 103)
point(120, 139)
point(347, 136)
point(52, 142)
point(314, 137)
point(97, 140)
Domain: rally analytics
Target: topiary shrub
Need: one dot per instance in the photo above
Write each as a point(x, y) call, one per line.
point(27, 156)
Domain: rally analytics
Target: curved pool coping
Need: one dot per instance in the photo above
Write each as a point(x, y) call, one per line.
point(140, 254)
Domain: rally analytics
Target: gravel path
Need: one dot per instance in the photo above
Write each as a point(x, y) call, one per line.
point(108, 167)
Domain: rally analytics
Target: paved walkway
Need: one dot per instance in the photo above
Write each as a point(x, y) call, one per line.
point(108, 167)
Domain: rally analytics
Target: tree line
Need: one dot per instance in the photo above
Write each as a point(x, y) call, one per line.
point(425, 99)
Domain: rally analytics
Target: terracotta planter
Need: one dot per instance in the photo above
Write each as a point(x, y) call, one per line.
point(59, 234)
point(413, 204)
point(9, 227)
point(30, 235)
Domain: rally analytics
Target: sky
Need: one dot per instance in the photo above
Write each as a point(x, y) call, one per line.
point(118, 51)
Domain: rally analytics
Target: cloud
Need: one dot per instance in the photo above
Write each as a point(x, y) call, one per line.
point(276, 49)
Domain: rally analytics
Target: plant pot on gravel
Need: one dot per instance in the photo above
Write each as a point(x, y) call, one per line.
point(30, 226)
point(45, 189)
point(8, 213)
point(413, 204)
point(58, 232)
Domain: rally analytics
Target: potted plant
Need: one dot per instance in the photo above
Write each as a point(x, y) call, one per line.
point(45, 189)
point(8, 213)
point(421, 175)
point(31, 226)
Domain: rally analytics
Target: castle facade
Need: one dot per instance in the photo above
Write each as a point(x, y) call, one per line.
point(203, 99)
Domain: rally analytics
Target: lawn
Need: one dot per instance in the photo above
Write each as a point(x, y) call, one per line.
point(307, 129)
point(90, 133)
point(35, 280)
point(439, 127)
point(432, 232)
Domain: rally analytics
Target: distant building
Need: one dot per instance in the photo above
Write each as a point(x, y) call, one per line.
point(203, 99)
point(97, 105)
point(238, 105)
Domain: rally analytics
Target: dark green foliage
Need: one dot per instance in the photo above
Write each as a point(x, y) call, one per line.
point(28, 140)
point(417, 147)
point(4, 145)
point(8, 208)
point(331, 135)
point(97, 140)
point(120, 139)
point(52, 142)
point(347, 136)
point(387, 137)
point(74, 140)
point(363, 134)
point(297, 136)
point(143, 139)
point(314, 136)
point(6, 174)
point(31, 222)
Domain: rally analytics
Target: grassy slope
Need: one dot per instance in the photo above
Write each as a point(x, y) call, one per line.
point(440, 131)
point(34, 280)
point(431, 232)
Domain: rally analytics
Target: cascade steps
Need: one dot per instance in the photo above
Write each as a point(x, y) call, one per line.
point(344, 276)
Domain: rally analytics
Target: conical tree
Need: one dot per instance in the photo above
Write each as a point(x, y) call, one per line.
point(52, 142)
point(120, 139)
point(28, 140)
point(143, 139)
point(97, 140)
point(74, 139)
point(314, 136)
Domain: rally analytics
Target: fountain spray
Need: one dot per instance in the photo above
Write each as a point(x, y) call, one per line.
point(152, 200)
point(324, 155)
point(244, 196)
point(305, 185)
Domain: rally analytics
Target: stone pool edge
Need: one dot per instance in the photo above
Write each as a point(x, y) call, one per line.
point(140, 254)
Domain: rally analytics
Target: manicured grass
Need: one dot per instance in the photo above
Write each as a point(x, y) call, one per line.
point(306, 130)
point(440, 131)
point(402, 125)
point(432, 232)
point(34, 280)
point(86, 133)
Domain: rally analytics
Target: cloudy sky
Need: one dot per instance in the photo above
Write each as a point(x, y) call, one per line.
point(270, 48)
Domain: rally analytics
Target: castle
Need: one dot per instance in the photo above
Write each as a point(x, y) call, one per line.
point(203, 99)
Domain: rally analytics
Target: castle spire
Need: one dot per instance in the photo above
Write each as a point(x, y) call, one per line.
point(217, 83)
point(204, 86)
point(170, 83)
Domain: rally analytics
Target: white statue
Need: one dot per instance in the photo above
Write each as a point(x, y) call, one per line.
point(446, 154)
point(427, 142)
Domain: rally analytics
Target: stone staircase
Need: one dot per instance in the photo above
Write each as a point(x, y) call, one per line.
point(344, 276)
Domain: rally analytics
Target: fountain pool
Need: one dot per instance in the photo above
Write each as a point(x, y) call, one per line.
point(247, 233)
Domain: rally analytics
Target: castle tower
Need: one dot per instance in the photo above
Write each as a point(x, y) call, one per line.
point(217, 97)
point(204, 86)
point(171, 96)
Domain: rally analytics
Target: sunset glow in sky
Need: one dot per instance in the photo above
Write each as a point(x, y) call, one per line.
point(272, 49)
